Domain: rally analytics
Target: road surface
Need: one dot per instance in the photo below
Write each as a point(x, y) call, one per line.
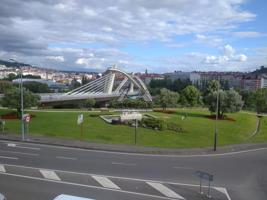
point(33, 171)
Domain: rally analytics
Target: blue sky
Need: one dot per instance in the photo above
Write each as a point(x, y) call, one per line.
point(161, 36)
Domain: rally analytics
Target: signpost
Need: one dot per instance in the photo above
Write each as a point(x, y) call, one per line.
point(80, 122)
point(205, 176)
point(3, 125)
point(26, 119)
point(135, 131)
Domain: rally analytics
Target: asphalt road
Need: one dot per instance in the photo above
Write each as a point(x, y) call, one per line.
point(32, 171)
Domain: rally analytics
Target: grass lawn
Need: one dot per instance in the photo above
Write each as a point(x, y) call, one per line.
point(262, 134)
point(199, 130)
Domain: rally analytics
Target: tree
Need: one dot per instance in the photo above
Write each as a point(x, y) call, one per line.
point(229, 101)
point(85, 80)
point(89, 103)
point(212, 86)
point(12, 99)
point(259, 100)
point(167, 98)
point(5, 85)
point(190, 96)
point(36, 87)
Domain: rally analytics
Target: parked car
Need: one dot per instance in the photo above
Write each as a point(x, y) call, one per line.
point(69, 197)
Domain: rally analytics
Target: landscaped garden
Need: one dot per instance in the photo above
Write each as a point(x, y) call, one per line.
point(197, 128)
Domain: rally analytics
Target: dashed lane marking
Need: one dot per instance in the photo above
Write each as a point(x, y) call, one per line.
point(66, 158)
point(164, 190)
point(125, 164)
point(22, 147)
point(105, 182)
point(21, 153)
point(11, 158)
point(49, 174)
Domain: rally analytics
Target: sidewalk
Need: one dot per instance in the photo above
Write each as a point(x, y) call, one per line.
point(129, 148)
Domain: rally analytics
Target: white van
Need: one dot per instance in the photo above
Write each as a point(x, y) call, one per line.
point(69, 197)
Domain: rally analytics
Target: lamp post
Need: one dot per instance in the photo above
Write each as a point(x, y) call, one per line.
point(21, 102)
point(216, 120)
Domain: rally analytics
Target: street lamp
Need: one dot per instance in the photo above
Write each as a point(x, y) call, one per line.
point(21, 101)
point(216, 120)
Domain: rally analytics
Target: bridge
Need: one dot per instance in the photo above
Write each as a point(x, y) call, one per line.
point(114, 84)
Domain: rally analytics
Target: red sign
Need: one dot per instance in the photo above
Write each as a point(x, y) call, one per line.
point(27, 118)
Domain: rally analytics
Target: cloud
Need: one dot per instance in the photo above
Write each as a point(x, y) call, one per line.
point(228, 55)
point(45, 31)
point(248, 34)
point(228, 51)
point(56, 58)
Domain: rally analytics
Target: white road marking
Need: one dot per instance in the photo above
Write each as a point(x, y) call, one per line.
point(150, 155)
point(181, 167)
point(224, 191)
point(105, 182)
point(164, 190)
point(86, 186)
point(108, 176)
point(11, 145)
point(49, 174)
point(22, 147)
point(22, 153)
point(66, 158)
point(11, 158)
point(115, 177)
point(126, 164)
point(2, 168)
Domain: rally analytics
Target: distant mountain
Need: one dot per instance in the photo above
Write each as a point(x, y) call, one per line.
point(262, 70)
point(17, 64)
point(12, 64)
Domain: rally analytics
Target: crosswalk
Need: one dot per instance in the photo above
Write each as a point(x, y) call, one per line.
point(2, 168)
point(157, 189)
point(165, 190)
point(49, 174)
point(105, 182)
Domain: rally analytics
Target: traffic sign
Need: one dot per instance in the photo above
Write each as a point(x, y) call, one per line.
point(204, 175)
point(27, 118)
point(80, 119)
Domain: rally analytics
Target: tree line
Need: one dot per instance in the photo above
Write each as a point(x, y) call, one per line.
point(230, 100)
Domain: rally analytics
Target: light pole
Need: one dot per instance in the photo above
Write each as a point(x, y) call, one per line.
point(21, 102)
point(216, 120)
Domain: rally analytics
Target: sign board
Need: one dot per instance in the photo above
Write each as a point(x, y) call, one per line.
point(27, 119)
point(204, 175)
point(80, 119)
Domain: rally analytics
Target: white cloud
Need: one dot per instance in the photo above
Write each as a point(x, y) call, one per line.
point(242, 58)
point(249, 34)
point(228, 51)
point(56, 58)
point(29, 32)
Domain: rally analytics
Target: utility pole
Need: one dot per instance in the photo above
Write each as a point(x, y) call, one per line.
point(216, 120)
point(21, 102)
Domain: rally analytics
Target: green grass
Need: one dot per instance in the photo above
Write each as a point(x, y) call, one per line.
point(262, 134)
point(199, 130)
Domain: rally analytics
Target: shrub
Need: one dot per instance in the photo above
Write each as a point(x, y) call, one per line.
point(164, 111)
point(98, 114)
point(153, 123)
point(174, 127)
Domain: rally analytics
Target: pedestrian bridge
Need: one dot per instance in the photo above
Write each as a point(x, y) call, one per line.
point(114, 84)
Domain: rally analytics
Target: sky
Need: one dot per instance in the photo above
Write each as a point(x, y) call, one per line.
point(157, 35)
